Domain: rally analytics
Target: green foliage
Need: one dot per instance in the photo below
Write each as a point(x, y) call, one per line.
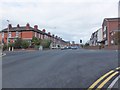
point(35, 41)
point(4, 47)
point(86, 44)
point(11, 44)
point(18, 43)
point(25, 44)
point(45, 43)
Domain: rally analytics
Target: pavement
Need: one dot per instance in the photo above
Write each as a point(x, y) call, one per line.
point(57, 68)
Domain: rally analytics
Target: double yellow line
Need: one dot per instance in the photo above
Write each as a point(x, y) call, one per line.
point(112, 73)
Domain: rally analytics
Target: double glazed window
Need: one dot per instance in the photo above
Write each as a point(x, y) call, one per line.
point(17, 33)
point(9, 35)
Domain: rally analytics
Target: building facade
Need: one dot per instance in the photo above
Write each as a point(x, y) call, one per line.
point(94, 39)
point(106, 35)
point(109, 25)
point(10, 34)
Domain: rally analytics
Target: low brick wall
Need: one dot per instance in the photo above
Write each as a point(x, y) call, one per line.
point(92, 47)
point(113, 47)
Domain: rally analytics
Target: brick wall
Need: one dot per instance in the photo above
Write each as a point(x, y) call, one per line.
point(27, 34)
point(111, 25)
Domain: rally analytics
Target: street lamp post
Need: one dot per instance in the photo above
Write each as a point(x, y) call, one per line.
point(8, 33)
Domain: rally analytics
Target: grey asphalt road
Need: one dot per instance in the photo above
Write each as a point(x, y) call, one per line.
point(56, 68)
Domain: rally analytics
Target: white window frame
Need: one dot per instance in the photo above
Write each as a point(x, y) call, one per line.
point(17, 34)
point(9, 35)
point(2, 34)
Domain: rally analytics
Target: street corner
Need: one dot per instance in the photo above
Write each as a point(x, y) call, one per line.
point(108, 80)
point(2, 54)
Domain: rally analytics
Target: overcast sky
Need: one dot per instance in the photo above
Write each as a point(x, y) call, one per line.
point(72, 20)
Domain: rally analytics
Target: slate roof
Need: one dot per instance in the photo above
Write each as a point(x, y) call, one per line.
point(22, 28)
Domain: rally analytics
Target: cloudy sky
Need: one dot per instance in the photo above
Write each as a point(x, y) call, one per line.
point(70, 19)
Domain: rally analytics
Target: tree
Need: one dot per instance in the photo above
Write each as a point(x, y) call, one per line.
point(25, 44)
point(35, 41)
point(45, 43)
point(86, 44)
point(18, 43)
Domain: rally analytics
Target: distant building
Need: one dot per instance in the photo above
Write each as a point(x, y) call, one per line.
point(73, 42)
point(99, 36)
point(106, 34)
point(93, 40)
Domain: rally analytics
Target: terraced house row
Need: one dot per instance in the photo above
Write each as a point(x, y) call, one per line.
point(108, 34)
point(27, 32)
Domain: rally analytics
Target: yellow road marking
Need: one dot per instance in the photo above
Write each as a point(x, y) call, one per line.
point(106, 80)
point(101, 78)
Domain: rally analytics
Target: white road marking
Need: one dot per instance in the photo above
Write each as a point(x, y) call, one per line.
point(114, 81)
point(3, 55)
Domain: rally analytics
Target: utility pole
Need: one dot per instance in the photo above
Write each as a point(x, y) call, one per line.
point(8, 33)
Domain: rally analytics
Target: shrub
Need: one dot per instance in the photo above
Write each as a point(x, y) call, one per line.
point(46, 43)
point(4, 47)
point(18, 43)
point(25, 44)
point(35, 41)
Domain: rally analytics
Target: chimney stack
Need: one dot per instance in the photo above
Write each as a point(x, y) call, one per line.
point(18, 26)
point(56, 36)
point(10, 26)
point(36, 27)
point(44, 30)
point(49, 33)
point(53, 35)
point(27, 26)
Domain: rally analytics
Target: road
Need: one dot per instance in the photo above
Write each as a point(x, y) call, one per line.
point(56, 68)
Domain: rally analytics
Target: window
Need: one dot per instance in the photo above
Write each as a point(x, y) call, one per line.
point(17, 33)
point(35, 34)
point(9, 35)
point(112, 42)
point(2, 34)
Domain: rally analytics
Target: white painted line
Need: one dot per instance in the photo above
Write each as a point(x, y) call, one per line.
point(114, 81)
point(3, 55)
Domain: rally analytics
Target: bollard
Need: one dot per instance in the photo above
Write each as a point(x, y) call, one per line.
point(9, 48)
point(12, 48)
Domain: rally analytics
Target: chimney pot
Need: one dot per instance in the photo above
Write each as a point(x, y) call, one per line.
point(10, 26)
point(27, 26)
point(44, 30)
point(49, 33)
point(36, 27)
point(18, 26)
point(53, 35)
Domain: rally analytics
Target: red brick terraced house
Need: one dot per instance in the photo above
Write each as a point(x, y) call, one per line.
point(27, 33)
point(109, 26)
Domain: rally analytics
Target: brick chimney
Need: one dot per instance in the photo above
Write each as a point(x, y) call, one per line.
point(27, 26)
point(53, 35)
point(44, 30)
point(49, 33)
point(36, 27)
point(18, 26)
point(56, 36)
point(10, 26)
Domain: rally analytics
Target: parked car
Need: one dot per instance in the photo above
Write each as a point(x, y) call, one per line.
point(74, 47)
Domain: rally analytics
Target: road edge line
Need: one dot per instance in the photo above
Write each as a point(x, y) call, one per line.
point(101, 78)
point(106, 80)
point(113, 82)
